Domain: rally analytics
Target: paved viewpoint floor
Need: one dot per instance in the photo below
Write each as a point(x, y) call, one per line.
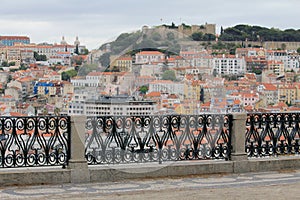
point(266, 185)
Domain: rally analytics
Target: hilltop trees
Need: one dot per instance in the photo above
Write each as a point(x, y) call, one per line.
point(198, 36)
point(256, 33)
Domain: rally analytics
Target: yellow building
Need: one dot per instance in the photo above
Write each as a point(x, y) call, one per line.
point(277, 67)
point(124, 64)
point(287, 93)
point(192, 89)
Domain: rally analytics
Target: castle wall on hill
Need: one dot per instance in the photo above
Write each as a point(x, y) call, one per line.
point(205, 29)
point(182, 30)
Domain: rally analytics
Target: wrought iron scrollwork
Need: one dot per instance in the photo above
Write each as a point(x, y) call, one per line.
point(135, 139)
point(34, 141)
point(272, 134)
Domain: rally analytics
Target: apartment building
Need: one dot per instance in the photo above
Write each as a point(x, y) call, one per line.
point(147, 57)
point(111, 106)
point(12, 40)
point(228, 64)
point(166, 86)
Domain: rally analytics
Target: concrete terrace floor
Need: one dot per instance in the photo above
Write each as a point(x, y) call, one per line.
point(264, 185)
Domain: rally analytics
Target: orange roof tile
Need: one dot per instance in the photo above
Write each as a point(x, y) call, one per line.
point(269, 87)
point(154, 94)
point(149, 53)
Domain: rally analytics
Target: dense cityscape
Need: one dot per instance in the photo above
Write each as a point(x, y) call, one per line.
point(191, 70)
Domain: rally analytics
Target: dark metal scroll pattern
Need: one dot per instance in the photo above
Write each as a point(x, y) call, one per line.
point(34, 141)
point(272, 134)
point(139, 139)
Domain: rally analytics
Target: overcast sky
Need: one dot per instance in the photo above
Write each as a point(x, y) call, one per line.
point(97, 21)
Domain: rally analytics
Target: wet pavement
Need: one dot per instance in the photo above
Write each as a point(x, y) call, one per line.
point(264, 185)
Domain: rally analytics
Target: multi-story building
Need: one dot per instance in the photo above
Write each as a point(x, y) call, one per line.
point(287, 93)
point(154, 70)
point(278, 55)
point(147, 57)
point(52, 88)
point(20, 51)
point(7, 103)
point(269, 93)
point(192, 89)
point(196, 58)
point(166, 86)
point(11, 40)
point(277, 67)
point(124, 64)
point(111, 106)
point(144, 80)
point(249, 99)
point(92, 79)
point(293, 62)
point(229, 64)
point(76, 105)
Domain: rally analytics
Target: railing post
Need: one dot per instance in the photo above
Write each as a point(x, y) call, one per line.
point(78, 164)
point(238, 137)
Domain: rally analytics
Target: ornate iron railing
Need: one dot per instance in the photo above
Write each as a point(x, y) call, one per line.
point(272, 134)
point(34, 141)
point(132, 139)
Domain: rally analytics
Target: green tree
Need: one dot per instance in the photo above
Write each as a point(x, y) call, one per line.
point(197, 36)
point(298, 50)
point(9, 78)
point(84, 52)
point(76, 50)
point(144, 89)
point(13, 70)
point(66, 76)
point(209, 37)
point(43, 57)
point(4, 64)
point(38, 57)
point(12, 63)
point(22, 67)
point(169, 75)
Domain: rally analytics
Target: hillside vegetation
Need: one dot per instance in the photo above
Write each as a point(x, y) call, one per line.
point(257, 33)
point(138, 40)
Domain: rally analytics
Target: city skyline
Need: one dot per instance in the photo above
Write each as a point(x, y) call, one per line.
point(98, 22)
